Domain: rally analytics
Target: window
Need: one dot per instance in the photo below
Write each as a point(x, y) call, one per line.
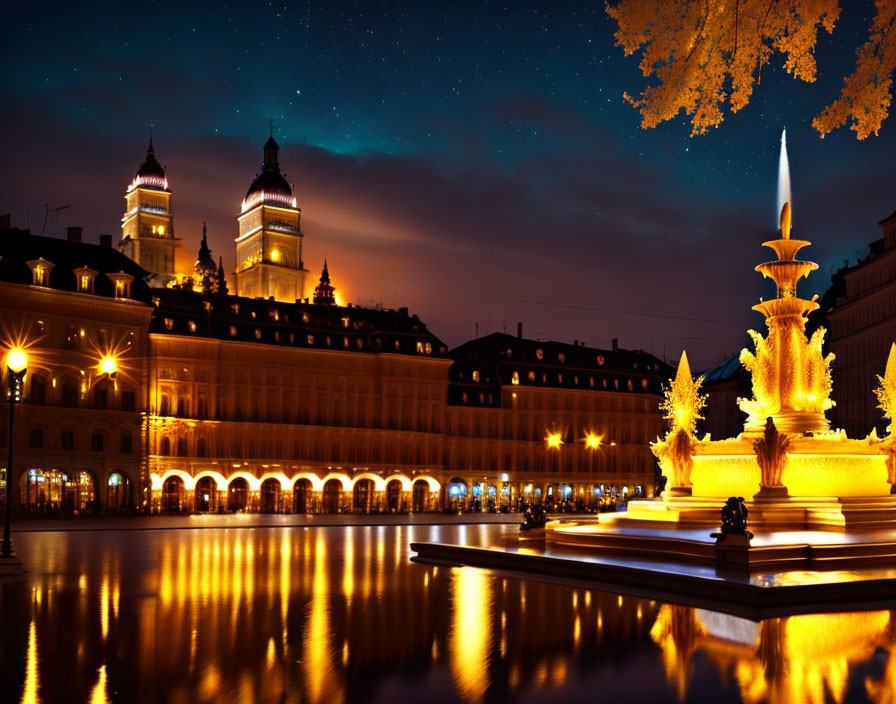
point(128, 400)
point(38, 390)
point(41, 275)
point(311, 339)
point(73, 338)
point(164, 407)
point(419, 347)
point(169, 323)
point(306, 318)
point(398, 346)
point(233, 330)
point(70, 393)
point(531, 376)
point(257, 333)
point(101, 397)
point(97, 442)
point(192, 325)
point(539, 354)
point(600, 360)
point(515, 378)
point(67, 440)
point(36, 441)
point(127, 442)
point(475, 375)
point(561, 358)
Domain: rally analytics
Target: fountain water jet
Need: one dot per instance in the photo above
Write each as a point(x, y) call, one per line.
point(783, 174)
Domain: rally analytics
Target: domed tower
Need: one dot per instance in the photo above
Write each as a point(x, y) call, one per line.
point(269, 246)
point(147, 226)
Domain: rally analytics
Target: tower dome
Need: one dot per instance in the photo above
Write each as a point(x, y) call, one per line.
point(151, 174)
point(269, 187)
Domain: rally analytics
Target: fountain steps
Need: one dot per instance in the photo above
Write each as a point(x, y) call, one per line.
point(785, 550)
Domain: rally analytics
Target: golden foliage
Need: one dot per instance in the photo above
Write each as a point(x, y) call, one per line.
point(706, 56)
point(682, 400)
point(865, 98)
point(682, 403)
point(886, 391)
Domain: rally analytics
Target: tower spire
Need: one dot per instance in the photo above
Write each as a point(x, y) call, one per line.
point(325, 293)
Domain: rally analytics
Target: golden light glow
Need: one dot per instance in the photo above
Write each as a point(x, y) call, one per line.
point(554, 440)
point(108, 365)
point(17, 359)
point(275, 255)
point(592, 441)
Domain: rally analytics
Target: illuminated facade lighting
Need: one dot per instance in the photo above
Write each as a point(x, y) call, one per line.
point(554, 440)
point(592, 441)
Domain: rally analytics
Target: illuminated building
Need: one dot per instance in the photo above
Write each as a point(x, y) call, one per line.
point(265, 400)
point(269, 247)
point(80, 311)
point(863, 326)
point(553, 422)
point(147, 226)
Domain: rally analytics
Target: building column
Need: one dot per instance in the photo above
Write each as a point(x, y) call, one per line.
point(315, 499)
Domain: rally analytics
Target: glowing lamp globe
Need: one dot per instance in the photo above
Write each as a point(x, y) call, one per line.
point(554, 440)
point(592, 441)
point(16, 359)
point(108, 365)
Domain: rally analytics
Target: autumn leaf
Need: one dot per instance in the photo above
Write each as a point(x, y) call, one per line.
point(704, 57)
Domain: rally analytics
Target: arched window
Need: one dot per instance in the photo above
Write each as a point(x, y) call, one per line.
point(164, 405)
point(36, 441)
point(70, 392)
point(97, 441)
point(38, 389)
point(101, 396)
point(67, 440)
point(165, 446)
point(128, 400)
point(127, 443)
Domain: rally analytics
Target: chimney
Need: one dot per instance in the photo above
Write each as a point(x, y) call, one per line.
point(519, 330)
point(105, 240)
point(615, 344)
point(73, 234)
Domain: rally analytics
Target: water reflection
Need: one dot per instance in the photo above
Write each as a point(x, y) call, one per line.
point(342, 615)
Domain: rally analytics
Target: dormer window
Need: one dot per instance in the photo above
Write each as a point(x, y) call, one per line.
point(40, 271)
point(84, 278)
point(121, 284)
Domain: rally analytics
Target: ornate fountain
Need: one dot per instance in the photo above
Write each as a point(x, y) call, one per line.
point(798, 471)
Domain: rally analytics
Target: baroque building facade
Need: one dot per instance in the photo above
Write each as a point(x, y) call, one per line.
point(259, 396)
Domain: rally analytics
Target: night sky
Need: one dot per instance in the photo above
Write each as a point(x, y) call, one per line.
point(474, 162)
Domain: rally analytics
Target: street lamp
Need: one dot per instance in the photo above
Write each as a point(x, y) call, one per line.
point(109, 365)
point(16, 367)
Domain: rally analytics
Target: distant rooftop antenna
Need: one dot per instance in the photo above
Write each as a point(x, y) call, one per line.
point(47, 211)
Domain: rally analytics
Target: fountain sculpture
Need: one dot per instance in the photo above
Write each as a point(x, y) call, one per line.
point(798, 471)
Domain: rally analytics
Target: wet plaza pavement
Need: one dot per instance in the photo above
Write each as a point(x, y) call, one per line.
point(341, 614)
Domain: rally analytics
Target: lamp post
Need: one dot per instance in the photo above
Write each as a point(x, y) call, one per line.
point(16, 367)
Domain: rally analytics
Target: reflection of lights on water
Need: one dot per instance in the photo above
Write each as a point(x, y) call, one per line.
point(98, 693)
point(471, 631)
point(32, 684)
